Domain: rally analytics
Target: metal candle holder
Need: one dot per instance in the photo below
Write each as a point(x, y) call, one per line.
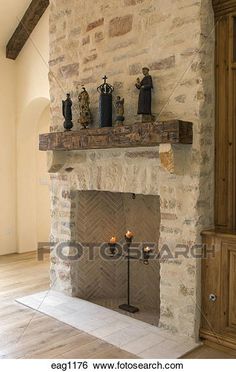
point(146, 255)
point(112, 247)
point(128, 307)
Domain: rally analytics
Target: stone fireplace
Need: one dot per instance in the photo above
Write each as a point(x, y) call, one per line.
point(96, 217)
point(173, 183)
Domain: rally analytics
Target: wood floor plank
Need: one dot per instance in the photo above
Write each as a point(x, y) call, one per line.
point(25, 333)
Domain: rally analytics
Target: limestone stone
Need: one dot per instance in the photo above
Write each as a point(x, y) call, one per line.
point(94, 24)
point(120, 25)
point(133, 2)
point(135, 69)
point(90, 58)
point(99, 36)
point(163, 64)
point(86, 40)
point(167, 157)
point(56, 61)
point(70, 70)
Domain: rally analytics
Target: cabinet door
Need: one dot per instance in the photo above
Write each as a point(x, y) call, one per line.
point(211, 285)
point(228, 285)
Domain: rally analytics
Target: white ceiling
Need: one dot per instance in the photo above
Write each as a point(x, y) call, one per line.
point(11, 12)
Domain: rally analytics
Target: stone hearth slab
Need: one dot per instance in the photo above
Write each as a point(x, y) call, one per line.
point(129, 334)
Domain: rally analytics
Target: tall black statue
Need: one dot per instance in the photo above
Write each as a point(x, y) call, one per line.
point(67, 112)
point(145, 96)
point(105, 103)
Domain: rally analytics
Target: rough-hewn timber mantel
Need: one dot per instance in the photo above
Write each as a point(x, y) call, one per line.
point(136, 135)
point(26, 25)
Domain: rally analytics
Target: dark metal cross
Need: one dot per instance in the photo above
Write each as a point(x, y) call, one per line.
point(105, 79)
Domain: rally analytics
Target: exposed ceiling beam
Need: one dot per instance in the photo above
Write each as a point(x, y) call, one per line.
point(222, 7)
point(27, 24)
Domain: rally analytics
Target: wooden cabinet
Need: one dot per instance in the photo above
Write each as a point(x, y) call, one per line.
point(218, 322)
point(225, 133)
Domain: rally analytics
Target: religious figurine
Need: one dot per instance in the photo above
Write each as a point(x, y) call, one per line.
point(84, 110)
point(120, 110)
point(145, 96)
point(67, 113)
point(105, 103)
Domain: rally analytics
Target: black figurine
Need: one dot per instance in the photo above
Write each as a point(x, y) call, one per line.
point(145, 96)
point(67, 112)
point(105, 103)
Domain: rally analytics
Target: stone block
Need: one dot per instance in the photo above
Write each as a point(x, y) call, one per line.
point(90, 58)
point(120, 25)
point(167, 157)
point(99, 36)
point(133, 2)
point(70, 70)
point(94, 24)
point(135, 69)
point(163, 64)
point(86, 40)
point(56, 61)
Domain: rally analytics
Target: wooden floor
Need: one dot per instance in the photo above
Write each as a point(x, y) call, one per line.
point(28, 334)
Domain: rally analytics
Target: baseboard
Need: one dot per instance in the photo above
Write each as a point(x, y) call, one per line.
point(222, 341)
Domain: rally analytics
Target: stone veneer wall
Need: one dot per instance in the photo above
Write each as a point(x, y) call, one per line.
point(175, 38)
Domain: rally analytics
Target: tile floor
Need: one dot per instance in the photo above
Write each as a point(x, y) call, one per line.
point(129, 334)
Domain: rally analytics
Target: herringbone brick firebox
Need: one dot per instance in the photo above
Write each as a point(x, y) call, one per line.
point(101, 215)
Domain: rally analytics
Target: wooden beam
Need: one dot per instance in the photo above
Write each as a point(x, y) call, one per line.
point(136, 135)
point(222, 7)
point(27, 24)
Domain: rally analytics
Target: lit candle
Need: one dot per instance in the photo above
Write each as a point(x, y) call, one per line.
point(113, 246)
point(113, 240)
point(129, 235)
point(147, 250)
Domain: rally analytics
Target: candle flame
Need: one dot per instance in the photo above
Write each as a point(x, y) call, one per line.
point(113, 240)
point(129, 234)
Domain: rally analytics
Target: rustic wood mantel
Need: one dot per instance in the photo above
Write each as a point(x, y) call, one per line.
point(136, 135)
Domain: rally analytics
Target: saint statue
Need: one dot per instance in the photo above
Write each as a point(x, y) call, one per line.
point(67, 112)
point(145, 96)
point(84, 110)
point(120, 110)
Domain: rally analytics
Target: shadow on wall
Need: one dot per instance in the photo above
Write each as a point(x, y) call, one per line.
point(33, 209)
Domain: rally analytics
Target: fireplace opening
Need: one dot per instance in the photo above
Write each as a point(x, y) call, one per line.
point(102, 278)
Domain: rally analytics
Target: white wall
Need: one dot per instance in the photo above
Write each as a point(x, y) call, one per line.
point(32, 95)
point(7, 156)
point(43, 218)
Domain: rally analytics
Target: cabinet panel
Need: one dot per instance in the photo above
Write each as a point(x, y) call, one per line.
point(211, 272)
point(228, 285)
point(222, 123)
point(225, 134)
point(219, 279)
point(232, 289)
